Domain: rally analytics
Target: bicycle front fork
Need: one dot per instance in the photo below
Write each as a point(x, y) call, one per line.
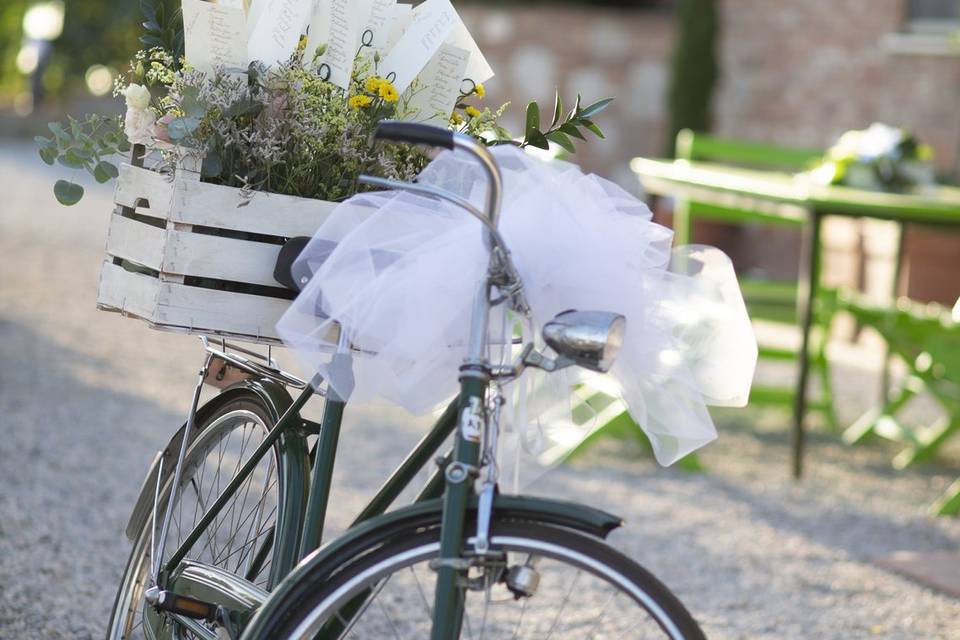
point(451, 566)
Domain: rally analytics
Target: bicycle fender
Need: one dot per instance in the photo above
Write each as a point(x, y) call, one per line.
point(275, 398)
point(428, 513)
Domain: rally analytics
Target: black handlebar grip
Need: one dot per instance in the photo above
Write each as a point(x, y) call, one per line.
point(413, 133)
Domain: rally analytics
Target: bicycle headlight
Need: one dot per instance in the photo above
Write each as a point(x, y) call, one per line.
point(590, 339)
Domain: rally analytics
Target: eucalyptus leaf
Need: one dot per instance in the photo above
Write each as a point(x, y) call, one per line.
point(180, 128)
point(67, 193)
point(49, 154)
point(105, 171)
point(71, 159)
point(58, 131)
point(533, 119)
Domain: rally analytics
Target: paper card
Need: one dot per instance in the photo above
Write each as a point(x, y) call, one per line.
point(478, 69)
point(277, 31)
point(214, 35)
point(375, 32)
point(338, 25)
point(434, 94)
point(254, 11)
point(433, 21)
point(400, 18)
point(233, 4)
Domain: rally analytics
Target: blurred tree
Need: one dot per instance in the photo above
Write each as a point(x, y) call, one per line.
point(694, 68)
point(94, 32)
point(11, 30)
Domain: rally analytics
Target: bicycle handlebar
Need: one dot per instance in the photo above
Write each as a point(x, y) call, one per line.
point(413, 133)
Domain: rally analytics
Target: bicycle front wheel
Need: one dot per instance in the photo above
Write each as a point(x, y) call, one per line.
point(541, 582)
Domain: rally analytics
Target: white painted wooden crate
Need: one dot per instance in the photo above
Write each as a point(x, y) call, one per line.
point(202, 252)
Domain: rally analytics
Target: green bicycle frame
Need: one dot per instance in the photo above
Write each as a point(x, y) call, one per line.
point(294, 538)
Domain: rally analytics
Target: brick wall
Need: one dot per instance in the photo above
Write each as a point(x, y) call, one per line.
point(799, 73)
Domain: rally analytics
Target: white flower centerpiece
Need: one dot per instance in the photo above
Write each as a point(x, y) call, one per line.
point(241, 134)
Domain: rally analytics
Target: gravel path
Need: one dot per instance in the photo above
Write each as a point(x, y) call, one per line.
point(87, 397)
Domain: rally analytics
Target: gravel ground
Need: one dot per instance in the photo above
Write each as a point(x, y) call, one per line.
point(87, 397)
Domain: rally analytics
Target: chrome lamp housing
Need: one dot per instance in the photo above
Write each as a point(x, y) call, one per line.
point(590, 339)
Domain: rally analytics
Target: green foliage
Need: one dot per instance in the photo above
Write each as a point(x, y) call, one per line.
point(163, 25)
point(562, 128)
point(86, 145)
point(484, 126)
point(694, 68)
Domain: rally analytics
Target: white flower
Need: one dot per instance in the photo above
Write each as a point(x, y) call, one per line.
point(138, 96)
point(139, 126)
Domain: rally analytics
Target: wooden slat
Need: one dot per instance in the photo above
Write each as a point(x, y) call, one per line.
point(211, 310)
point(131, 293)
point(135, 241)
point(196, 254)
point(217, 206)
point(136, 184)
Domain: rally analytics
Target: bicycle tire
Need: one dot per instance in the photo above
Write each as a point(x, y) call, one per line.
point(243, 408)
point(317, 598)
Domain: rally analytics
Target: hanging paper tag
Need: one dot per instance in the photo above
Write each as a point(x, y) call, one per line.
point(401, 16)
point(433, 21)
point(478, 69)
point(434, 95)
point(277, 32)
point(337, 25)
point(376, 31)
point(214, 35)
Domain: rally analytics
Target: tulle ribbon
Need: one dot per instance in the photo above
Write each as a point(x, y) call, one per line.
point(399, 273)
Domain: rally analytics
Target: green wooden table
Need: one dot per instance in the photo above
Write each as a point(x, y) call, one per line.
point(772, 196)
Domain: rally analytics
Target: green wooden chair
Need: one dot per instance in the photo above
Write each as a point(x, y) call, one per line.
point(926, 338)
point(773, 301)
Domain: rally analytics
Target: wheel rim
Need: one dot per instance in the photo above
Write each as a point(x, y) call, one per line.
point(232, 541)
point(578, 597)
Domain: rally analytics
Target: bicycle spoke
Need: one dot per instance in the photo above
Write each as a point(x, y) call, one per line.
point(393, 627)
point(516, 629)
point(423, 596)
point(596, 623)
point(563, 605)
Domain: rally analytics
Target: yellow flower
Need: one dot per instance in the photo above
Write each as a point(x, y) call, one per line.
point(360, 102)
point(388, 92)
point(479, 90)
point(373, 84)
point(473, 112)
point(456, 118)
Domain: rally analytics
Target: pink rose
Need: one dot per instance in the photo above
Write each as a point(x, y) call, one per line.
point(160, 131)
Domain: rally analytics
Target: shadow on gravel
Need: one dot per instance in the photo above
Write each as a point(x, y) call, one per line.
point(73, 459)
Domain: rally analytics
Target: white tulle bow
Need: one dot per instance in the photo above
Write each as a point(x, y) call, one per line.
point(399, 272)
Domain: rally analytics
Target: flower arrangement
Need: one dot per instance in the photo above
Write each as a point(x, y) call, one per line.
point(879, 158)
point(281, 128)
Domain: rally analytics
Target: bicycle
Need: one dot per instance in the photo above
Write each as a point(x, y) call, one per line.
point(246, 512)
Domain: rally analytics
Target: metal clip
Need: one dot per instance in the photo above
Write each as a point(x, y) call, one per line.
point(458, 472)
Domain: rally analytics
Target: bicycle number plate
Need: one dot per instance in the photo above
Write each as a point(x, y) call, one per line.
point(471, 421)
